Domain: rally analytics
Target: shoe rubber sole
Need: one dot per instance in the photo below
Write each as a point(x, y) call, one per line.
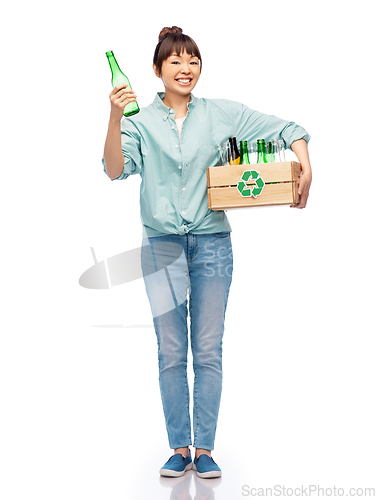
point(209, 474)
point(175, 473)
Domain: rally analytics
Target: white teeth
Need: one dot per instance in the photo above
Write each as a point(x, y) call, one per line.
point(183, 81)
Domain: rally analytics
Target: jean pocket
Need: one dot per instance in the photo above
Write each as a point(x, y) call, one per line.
point(222, 234)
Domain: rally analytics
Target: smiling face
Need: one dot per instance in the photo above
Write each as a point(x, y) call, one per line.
point(179, 73)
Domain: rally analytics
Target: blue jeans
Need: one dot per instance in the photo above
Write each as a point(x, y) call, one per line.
point(176, 268)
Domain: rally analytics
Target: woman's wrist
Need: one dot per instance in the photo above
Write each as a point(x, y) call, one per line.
point(115, 121)
point(306, 168)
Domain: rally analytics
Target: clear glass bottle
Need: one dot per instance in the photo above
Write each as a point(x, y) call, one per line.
point(227, 153)
point(252, 152)
point(281, 150)
point(275, 150)
point(218, 155)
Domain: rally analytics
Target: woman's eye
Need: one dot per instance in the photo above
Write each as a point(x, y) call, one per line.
point(175, 62)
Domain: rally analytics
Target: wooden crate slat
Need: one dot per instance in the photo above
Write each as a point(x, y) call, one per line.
point(295, 194)
point(272, 194)
point(270, 172)
point(296, 170)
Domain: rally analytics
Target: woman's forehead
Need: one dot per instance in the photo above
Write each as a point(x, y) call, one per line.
point(182, 54)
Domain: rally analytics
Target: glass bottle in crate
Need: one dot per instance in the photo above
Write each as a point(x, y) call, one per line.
point(270, 158)
point(275, 150)
point(244, 160)
point(252, 152)
point(218, 155)
point(261, 151)
point(281, 150)
point(227, 153)
point(235, 155)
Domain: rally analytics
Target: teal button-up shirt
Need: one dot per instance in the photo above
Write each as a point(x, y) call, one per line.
point(173, 194)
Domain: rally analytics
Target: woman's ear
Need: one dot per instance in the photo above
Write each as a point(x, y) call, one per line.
point(156, 71)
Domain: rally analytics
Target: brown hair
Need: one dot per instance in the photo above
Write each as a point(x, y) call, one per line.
point(173, 40)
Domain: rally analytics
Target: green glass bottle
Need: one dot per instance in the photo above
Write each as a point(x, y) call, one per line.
point(270, 158)
point(244, 160)
point(261, 151)
point(119, 77)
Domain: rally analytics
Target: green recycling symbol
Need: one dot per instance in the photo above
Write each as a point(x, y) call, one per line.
point(254, 175)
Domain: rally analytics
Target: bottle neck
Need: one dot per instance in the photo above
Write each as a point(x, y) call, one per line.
point(261, 153)
point(234, 146)
point(244, 160)
point(113, 63)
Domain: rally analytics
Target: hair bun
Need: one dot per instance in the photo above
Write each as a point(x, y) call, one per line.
point(168, 31)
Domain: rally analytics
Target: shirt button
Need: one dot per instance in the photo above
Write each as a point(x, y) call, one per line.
point(165, 117)
point(179, 167)
point(171, 110)
point(176, 145)
point(183, 189)
point(173, 128)
point(183, 213)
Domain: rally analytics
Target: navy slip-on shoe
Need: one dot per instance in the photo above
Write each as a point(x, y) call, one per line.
point(176, 465)
point(206, 467)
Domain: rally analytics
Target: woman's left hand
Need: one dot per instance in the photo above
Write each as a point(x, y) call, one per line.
point(303, 190)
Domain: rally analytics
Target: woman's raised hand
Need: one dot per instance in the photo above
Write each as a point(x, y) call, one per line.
point(120, 96)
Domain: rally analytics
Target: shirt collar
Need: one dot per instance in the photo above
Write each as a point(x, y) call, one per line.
point(164, 110)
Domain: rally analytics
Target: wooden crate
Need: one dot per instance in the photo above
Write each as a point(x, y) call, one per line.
point(237, 186)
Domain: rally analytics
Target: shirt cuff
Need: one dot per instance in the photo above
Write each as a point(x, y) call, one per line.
point(123, 175)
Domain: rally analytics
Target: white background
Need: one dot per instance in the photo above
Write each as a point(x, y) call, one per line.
point(81, 415)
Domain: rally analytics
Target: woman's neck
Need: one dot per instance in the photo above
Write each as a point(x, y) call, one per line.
point(178, 103)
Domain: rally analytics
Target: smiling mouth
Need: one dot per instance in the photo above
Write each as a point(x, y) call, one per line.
point(183, 81)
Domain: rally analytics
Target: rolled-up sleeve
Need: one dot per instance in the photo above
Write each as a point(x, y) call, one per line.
point(253, 125)
point(130, 145)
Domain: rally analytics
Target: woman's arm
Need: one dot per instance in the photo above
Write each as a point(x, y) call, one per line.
point(300, 149)
point(113, 154)
point(253, 125)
